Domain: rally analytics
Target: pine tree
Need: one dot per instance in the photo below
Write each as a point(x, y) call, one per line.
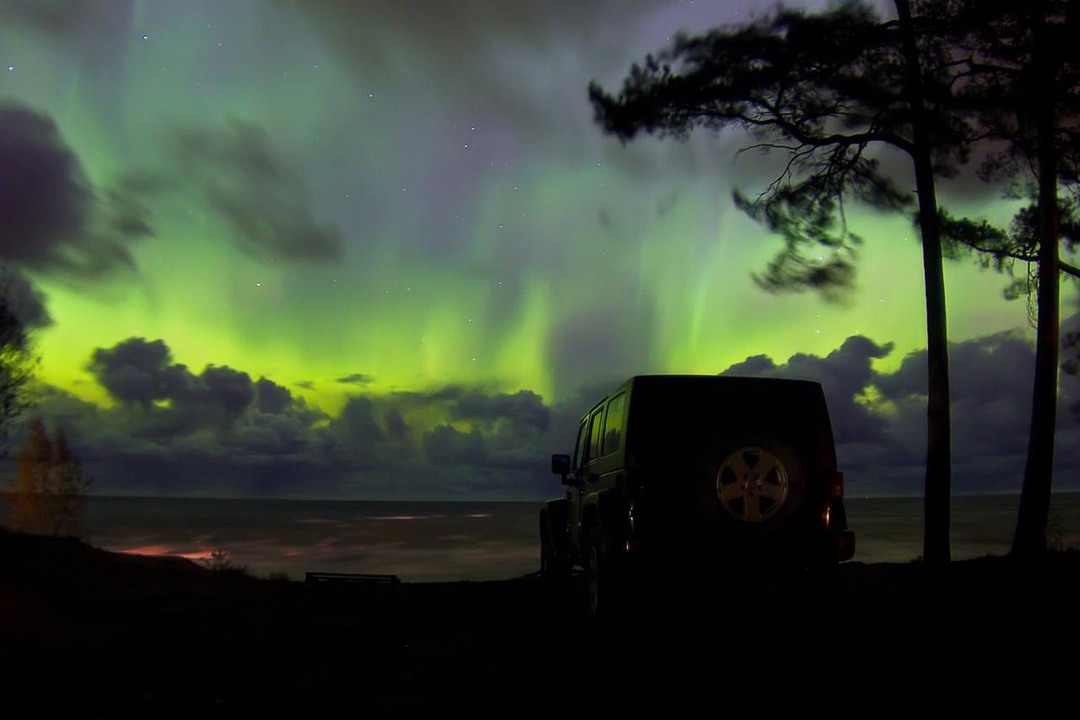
point(67, 488)
point(826, 89)
point(29, 500)
point(16, 362)
point(49, 491)
point(1018, 73)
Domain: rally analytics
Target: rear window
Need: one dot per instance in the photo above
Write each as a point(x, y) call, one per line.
point(613, 423)
point(595, 429)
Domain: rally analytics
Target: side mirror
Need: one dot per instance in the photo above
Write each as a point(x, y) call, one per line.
point(560, 465)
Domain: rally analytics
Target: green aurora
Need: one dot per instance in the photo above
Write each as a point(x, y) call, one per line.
point(479, 229)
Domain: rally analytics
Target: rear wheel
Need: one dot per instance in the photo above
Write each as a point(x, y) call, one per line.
point(602, 591)
point(553, 563)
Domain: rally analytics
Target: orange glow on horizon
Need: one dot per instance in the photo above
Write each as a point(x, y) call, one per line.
point(202, 554)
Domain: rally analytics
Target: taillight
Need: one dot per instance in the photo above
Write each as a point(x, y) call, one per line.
point(835, 487)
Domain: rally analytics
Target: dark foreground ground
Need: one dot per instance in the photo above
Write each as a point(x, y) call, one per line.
point(85, 633)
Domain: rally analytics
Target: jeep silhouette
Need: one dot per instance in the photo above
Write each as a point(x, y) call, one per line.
point(695, 474)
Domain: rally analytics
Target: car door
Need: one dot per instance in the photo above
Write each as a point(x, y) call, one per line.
point(579, 485)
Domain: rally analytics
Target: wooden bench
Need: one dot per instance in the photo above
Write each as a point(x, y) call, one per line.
point(332, 578)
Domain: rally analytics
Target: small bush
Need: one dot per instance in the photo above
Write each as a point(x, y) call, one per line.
point(220, 562)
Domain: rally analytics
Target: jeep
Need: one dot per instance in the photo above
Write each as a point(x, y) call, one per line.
point(695, 473)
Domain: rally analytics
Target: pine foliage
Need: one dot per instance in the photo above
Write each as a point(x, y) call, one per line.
point(48, 496)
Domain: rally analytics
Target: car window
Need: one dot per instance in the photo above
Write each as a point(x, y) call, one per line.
point(596, 427)
point(579, 449)
point(613, 423)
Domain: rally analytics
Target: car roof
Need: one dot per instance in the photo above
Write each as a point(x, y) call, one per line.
point(714, 380)
point(651, 384)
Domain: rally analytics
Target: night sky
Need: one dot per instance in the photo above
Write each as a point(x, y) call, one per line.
point(380, 249)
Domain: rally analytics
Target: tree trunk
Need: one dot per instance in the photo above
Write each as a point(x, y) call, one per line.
point(1031, 521)
point(938, 487)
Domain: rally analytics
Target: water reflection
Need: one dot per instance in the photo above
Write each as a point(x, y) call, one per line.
point(471, 541)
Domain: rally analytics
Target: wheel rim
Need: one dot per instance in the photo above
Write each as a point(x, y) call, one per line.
point(752, 484)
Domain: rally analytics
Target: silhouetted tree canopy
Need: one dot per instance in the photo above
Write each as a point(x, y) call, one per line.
point(829, 90)
point(1018, 79)
point(1013, 250)
point(16, 364)
point(952, 79)
point(822, 88)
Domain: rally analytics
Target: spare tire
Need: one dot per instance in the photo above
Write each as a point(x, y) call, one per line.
point(753, 483)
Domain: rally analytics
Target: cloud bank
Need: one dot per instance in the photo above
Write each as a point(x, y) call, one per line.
point(172, 430)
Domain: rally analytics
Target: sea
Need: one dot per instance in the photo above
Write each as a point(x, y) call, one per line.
point(452, 541)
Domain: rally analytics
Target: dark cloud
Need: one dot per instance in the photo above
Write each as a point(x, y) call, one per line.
point(396, 427)
point(231, 390)
point(179, 432)
point(270, 397)
point(991, 380)
point(442, 394)
point(880, 418)
point(358, 423)
point(508, 423)
point(171, 399)
point(364, 440)
point(231, 434)
point(755, 365)
point(844, 374)
point(443, 445)
point(355, 379)
point(866, 448)
point(51, 218)
point(23, 301)
point(523, 408)
point(995, 365)
point(138, 371)
point(991, 384)
point(266, 204)
point(271, 435)
point(218, 431)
